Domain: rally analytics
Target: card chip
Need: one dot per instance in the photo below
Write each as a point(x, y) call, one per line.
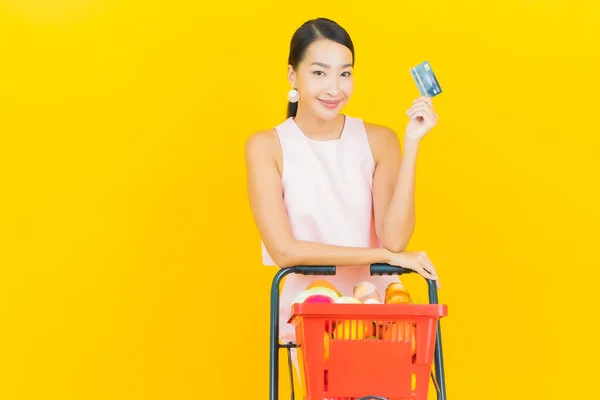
point(427, 67)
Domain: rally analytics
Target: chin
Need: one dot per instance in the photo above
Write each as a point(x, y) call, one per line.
point(326, 113)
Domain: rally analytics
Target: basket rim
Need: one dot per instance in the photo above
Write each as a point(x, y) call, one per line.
point(367, 311)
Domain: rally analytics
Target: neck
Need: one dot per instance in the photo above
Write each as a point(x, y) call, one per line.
point(317, 128)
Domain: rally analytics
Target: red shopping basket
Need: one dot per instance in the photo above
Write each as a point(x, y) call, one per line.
point(360, 350)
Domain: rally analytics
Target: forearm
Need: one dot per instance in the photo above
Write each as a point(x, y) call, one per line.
point(311, 253)
point(399, 220)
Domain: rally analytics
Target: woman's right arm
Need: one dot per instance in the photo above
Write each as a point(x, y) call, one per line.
point(265, 196)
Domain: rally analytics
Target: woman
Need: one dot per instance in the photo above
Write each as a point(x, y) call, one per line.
point(326, 188)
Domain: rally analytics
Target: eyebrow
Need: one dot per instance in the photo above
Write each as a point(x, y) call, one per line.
point(328, 66)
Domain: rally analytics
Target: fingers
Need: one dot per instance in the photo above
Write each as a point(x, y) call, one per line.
point(416, 107)
point(421, 111)
point(429, 118)
point(425, 273)
point(421, 106)
point(427, 267)
point(425, 99)
point(418, 262)
point(429, 270)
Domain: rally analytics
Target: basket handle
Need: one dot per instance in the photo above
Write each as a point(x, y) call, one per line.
point(387, 269)
point(314, 270)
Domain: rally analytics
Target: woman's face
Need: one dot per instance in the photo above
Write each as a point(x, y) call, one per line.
point(324, 79)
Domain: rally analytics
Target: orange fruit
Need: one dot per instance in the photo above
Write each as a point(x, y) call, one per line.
point(397, 332)
point(326, 344)
point(350, 330)
point(370, 329)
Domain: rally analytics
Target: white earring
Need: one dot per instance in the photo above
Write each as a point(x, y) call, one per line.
point(293, 95)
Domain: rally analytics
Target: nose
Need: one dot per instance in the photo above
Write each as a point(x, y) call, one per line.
point(333, 88)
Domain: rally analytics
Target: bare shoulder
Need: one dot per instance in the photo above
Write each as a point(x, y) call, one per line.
point(262, 141)
point(380, 133)
point(263, 145)
point(382, 139)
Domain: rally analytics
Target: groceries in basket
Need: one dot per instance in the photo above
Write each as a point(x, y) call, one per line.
point(395, 293)
point(367, 293)
point(323, 291)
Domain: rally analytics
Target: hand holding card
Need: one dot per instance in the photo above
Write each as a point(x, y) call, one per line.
point(422, 120)
point(422, 115)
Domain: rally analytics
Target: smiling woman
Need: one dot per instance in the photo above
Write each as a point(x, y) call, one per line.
point(320, 68)
point(327, 188)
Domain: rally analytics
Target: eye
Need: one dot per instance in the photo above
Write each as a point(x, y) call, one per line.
point(319, 72)
point(347, 73)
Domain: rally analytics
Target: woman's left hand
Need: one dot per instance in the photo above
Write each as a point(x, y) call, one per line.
point(418, 261)
point(422, 119)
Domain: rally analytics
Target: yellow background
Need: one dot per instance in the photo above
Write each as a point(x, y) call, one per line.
point(130, 265)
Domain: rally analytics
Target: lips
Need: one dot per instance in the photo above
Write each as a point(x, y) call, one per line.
point(330, 103)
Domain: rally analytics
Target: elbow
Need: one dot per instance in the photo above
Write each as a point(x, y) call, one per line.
point(283, 255)
point(395, 247)
point(282, 261)
point(396, 232)
point(396, 241)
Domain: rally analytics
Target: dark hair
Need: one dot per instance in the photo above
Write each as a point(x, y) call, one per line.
point(308, 33)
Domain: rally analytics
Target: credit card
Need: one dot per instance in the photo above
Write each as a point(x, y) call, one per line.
point(426, 80)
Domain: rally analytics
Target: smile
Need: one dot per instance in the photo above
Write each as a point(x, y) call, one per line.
point(330, 103)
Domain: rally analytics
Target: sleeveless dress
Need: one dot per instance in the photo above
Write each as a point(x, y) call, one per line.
point(327, 191)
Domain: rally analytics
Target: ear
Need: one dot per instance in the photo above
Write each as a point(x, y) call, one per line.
point(291, 76)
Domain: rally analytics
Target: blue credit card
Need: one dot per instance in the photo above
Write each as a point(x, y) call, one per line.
point(426, 80)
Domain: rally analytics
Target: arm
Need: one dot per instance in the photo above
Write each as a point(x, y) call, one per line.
point(266, 203)
point(394, 180)
point(393, 188)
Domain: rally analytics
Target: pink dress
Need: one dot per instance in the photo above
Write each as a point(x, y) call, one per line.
point(328, 197)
